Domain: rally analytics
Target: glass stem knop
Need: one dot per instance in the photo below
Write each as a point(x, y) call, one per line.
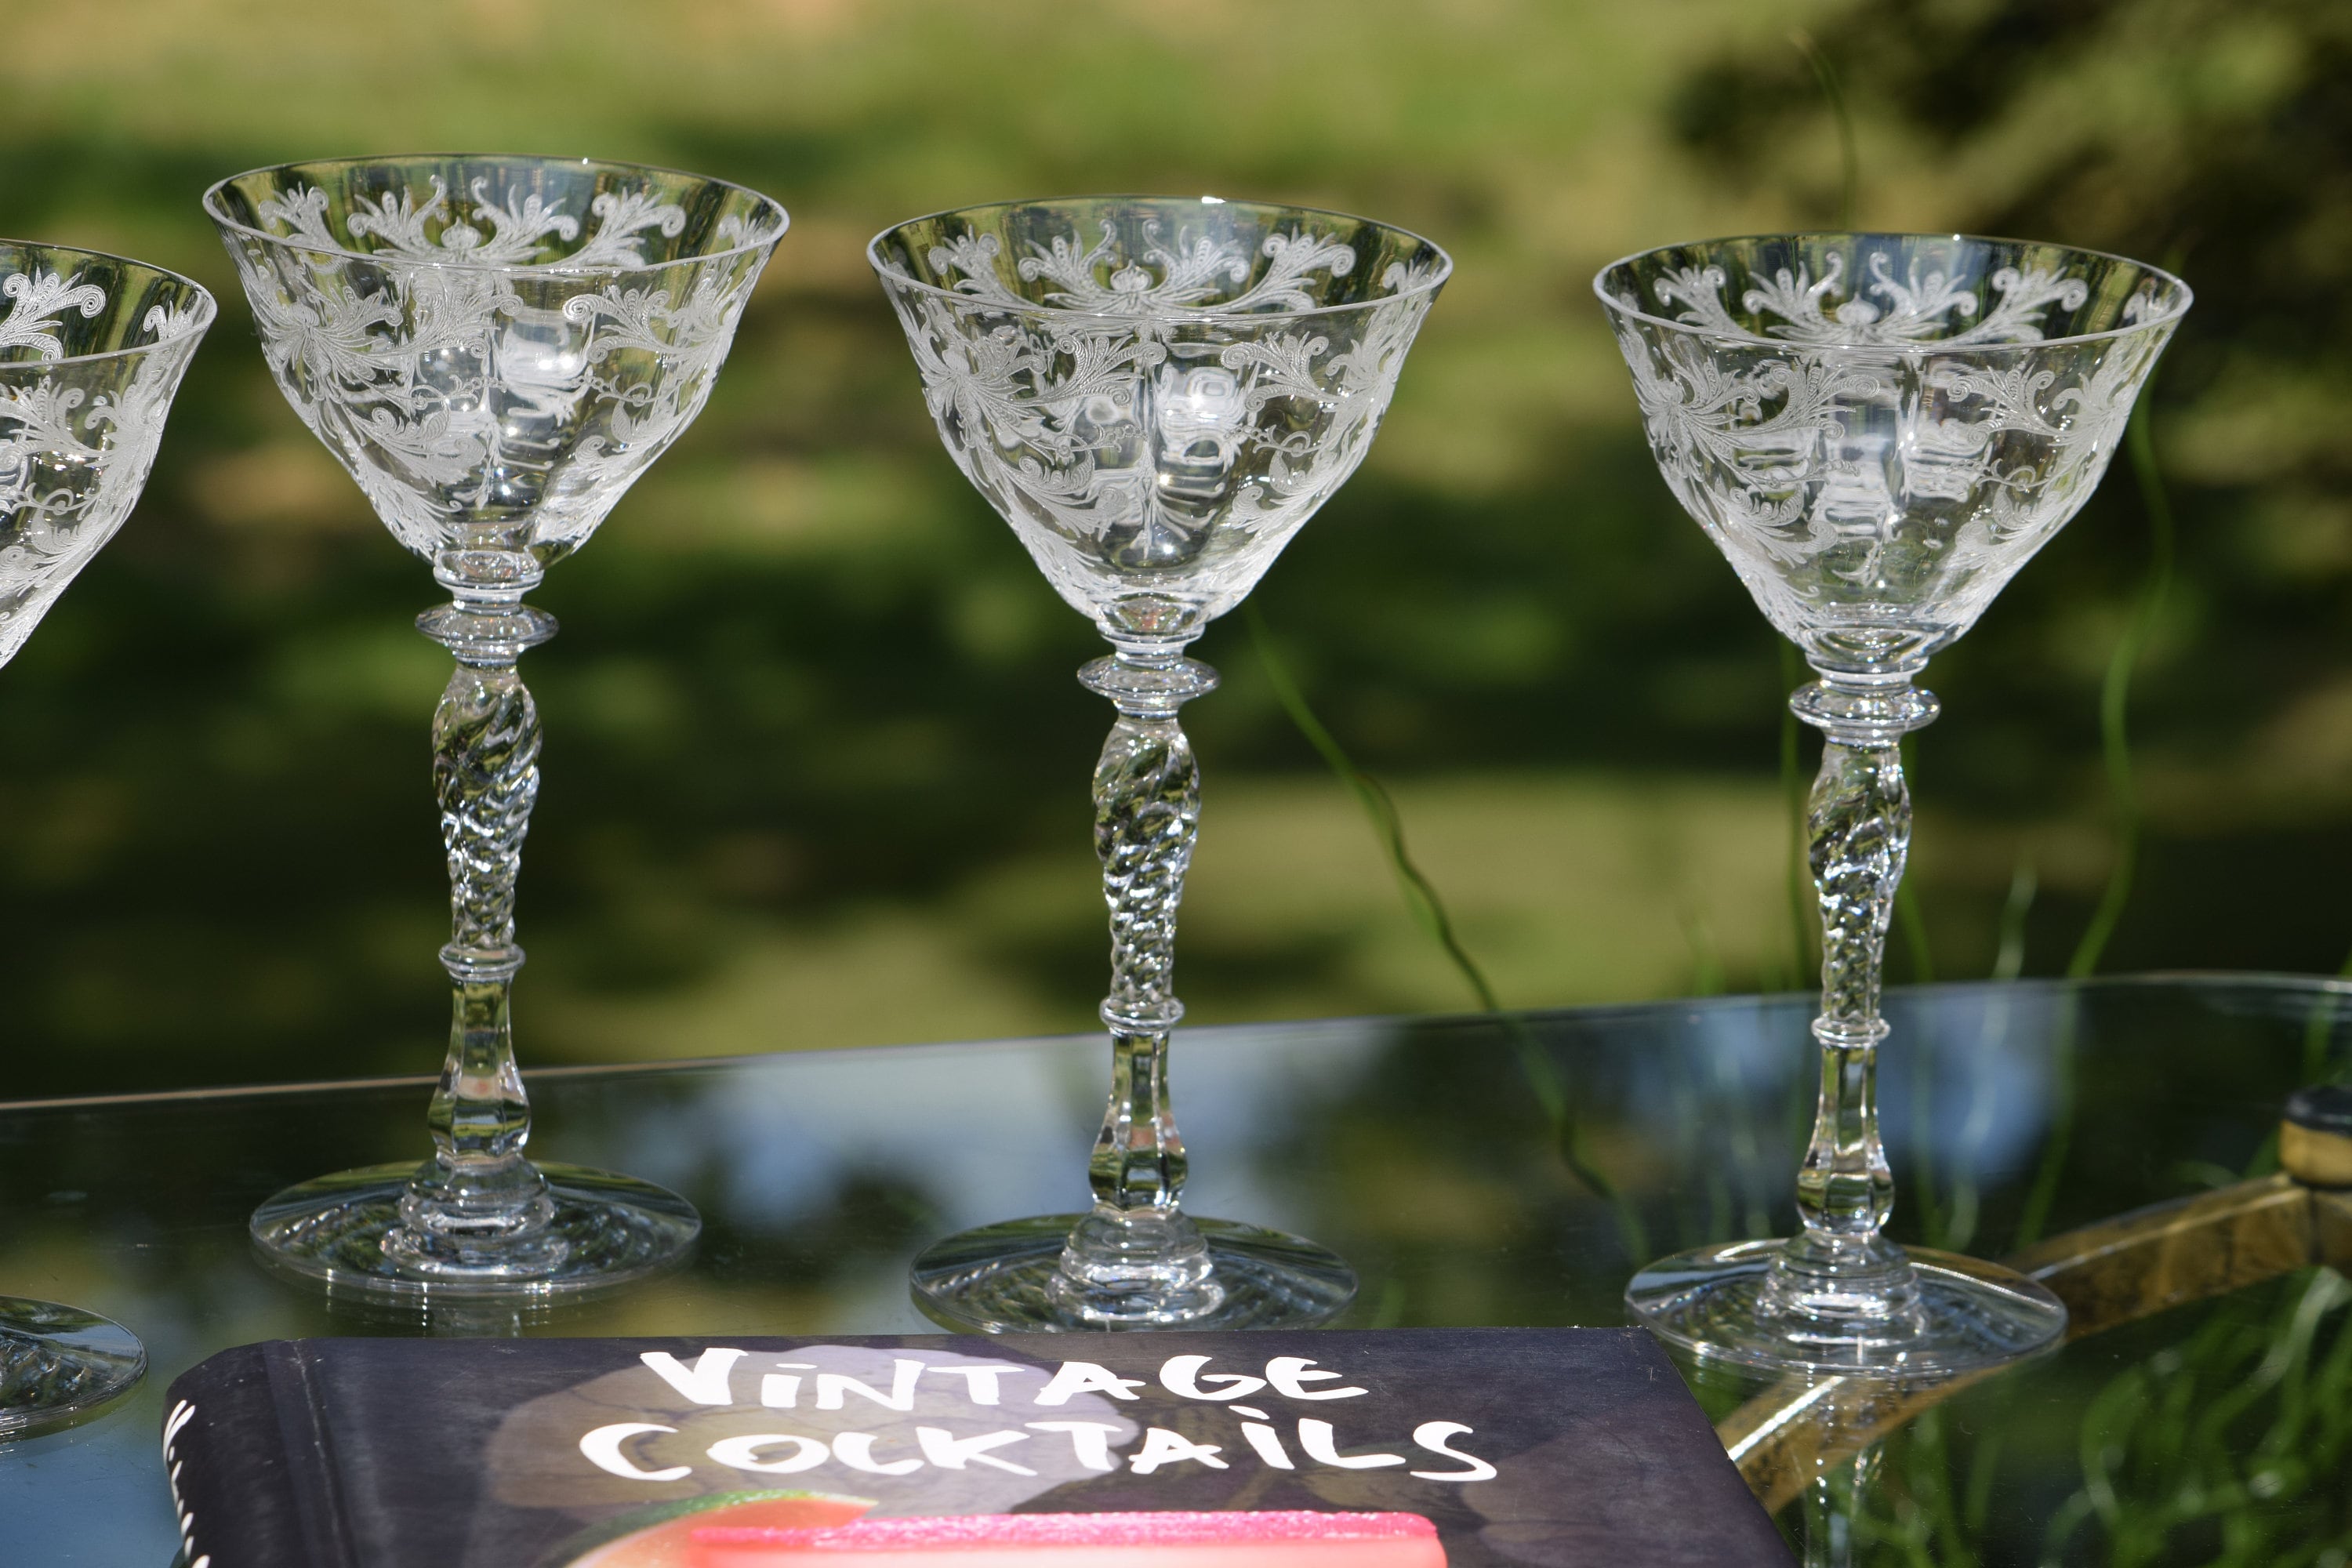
point(478, 1192)
point(1147, 791)
point(1859, 825)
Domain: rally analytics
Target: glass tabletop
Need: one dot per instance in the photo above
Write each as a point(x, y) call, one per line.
point(1475, 1171)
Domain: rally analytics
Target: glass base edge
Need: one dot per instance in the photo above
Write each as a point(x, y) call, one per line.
point(60, 1364)
point(992, 1281)
point(1971, 1316)
point(330, 1232)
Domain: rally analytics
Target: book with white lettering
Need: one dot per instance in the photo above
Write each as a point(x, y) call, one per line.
point(1380, 1448)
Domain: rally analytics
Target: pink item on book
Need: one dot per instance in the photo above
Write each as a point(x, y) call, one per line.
point(1293, 1538)
point(669, 1543)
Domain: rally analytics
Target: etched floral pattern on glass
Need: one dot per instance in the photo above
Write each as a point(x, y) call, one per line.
point(495, 349)
point(1879, 437)
point(1157, 395)
point(91, 350)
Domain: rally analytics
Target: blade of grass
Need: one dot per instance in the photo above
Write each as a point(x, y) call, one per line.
point(2115, 697)
point(1792, 799)
point(1849, 147)
point(1906, 900)
point(2009, 954)
point(2114, 742)
point(2043, 1193)
point(1793, 792)
point(1429, 913)
point(2320, 1027)
point(1421, 897)
point(1707, 964)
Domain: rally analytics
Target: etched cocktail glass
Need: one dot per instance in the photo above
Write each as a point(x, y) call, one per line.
point(1877, 430)
point(1156, 394)
point(92, 348)
point(495, 348)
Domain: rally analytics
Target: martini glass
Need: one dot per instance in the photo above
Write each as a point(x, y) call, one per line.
point(1877, 430)
point(495, 348)
point(92, 348)
point(1156, 394)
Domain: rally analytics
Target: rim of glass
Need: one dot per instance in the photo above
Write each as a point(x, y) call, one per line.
point(207, 308)
point(455, 263)
point(1428, 285)
point(2185, 296)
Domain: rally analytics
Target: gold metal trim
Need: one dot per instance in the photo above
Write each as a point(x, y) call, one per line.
point(2113, 1272)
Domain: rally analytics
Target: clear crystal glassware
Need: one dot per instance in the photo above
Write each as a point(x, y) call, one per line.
point(1877, 430)
point(1156, 394)
point(92, 348)
point(495, 348)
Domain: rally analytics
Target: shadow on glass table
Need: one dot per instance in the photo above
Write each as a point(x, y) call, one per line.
point(2207, 1414)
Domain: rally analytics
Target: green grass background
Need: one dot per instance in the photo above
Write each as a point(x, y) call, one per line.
point(815, 765)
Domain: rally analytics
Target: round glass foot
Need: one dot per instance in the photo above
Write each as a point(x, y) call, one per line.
point(59, 1363)
point(1001, 1278)
point(1968, 1315)
point(345, 1232)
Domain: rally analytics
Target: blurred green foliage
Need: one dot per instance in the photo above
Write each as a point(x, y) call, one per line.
point(816, 769)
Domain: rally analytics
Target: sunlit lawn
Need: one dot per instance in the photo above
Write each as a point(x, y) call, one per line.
point(815, 766)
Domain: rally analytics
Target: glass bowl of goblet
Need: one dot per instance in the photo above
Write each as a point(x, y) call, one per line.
point(495, 348)
point(1878, 431)
point(92, 348)
point(1156, 394)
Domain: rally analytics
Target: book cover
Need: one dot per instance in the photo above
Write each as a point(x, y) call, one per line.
point(1380, 1448)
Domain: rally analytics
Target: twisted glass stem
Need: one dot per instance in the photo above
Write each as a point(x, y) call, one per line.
point(1147, 812)
point(1859, 824)
point(1136, 1253)
point(479, 1196)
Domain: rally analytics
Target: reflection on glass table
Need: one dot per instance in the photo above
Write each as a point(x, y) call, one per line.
point(2027, 1119)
